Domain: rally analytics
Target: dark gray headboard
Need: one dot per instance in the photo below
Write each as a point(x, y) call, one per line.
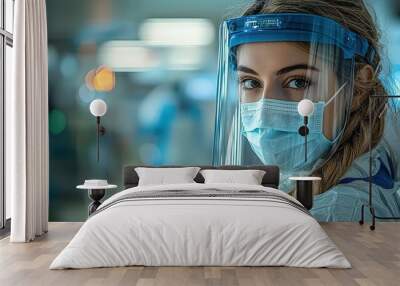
point(270, 179)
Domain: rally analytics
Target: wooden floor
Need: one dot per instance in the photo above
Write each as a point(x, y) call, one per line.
point(375, 257)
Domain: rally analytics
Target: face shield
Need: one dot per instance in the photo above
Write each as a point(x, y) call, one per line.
point(268, 63)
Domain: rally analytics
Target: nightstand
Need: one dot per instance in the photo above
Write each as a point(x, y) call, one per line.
point(304, 190)
point(96, 191)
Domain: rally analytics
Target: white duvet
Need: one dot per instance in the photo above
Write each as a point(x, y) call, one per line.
point(200, 231)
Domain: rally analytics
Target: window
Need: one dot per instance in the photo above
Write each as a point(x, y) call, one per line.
point(6, 45)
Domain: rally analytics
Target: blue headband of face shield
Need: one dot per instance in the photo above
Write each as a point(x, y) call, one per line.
point(286, 27)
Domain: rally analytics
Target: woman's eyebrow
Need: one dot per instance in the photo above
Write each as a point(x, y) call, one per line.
point(281, 71)
point(246, 70)
point(296, 67)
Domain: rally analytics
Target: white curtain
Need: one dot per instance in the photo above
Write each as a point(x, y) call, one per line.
point(27, 124)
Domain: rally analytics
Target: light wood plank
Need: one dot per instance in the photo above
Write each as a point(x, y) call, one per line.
point(375, 257)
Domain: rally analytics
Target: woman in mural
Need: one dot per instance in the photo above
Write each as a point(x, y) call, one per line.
point(328, 51)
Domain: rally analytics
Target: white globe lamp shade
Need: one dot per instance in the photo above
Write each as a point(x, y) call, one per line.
point(98, 107)
point(305, 107)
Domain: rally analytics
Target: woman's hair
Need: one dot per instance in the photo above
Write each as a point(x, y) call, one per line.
point(354, 15)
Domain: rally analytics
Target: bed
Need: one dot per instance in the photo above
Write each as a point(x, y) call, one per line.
point(198, 224)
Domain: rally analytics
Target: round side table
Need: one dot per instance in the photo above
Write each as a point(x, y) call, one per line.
point(96, 193)
point(304, 190)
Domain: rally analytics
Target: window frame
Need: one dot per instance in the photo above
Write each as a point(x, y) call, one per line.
point(6, 39)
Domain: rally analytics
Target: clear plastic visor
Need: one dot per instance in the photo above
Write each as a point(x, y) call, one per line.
point(270, 64)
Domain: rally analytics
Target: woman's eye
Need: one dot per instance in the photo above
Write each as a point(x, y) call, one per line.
point(250, 84)
point(298, 83)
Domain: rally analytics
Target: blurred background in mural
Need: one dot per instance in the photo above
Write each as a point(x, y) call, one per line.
point(154, 63)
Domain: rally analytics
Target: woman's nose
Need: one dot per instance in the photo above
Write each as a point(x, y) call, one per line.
point(270, 91)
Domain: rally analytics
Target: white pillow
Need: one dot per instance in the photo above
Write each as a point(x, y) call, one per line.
point(248, 177)
point(165, 176)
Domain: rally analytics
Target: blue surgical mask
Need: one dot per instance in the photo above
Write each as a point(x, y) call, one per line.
point(271, 127)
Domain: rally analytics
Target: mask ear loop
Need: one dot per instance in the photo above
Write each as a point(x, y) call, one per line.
point(342, 131)
point(344, 85)
point(335, 95)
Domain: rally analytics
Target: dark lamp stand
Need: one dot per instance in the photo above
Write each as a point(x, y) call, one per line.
point(305, 190)
point(303, 131)
point(100, 132)
point(95, 195)
point(304, 193)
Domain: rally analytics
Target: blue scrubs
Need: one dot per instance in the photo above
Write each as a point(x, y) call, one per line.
point(343, 201)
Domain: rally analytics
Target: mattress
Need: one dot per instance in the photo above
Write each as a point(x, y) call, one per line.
point(201, 225)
